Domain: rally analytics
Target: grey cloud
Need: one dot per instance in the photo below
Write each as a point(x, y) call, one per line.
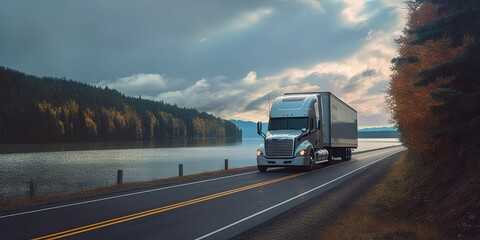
point(286, 38)
point(92, 41)
point(97, 40)
point(324, 80)
point(138, 84)
point(380, 87)
point(356, 81)
point(257, 103)
point(103, 42)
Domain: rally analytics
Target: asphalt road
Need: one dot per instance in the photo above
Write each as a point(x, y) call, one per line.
point(216, 208)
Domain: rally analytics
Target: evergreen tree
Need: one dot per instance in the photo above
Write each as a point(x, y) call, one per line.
point(459, 111)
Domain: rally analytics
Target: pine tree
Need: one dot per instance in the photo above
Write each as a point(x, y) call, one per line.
point(459, 111)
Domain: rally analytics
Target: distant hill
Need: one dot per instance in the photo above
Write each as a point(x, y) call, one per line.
point(379, 132)
point(249, 130)
point(378, 129)
point(44, 110)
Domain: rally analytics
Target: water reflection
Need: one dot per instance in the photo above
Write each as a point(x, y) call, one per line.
point(57, 147)
point(61, 168)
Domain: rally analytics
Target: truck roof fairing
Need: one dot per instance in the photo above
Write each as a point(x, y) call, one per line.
point(293, 106)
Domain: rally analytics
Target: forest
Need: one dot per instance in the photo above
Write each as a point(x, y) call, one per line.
point(434, 101)
point(51, 110)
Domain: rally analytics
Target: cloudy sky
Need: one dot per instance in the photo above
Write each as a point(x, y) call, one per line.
point(224, 57)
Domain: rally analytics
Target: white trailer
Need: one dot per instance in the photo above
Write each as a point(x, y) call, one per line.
point(305, 129)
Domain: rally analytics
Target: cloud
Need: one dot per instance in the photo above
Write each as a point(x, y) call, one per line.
point(314, 4)
point(185, 39)
point(148, 84)
point(199, 96)
point(218, 95)
point(358, 78)
point(353, 12)
point(223, 57)
point(236, 23)
point(258, 103)
point(249, 18)
point(251, 78)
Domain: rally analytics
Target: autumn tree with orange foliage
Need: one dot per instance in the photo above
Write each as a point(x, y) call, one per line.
point(411, 106)
point(434, 100)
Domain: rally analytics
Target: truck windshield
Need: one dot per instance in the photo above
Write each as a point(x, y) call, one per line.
point(287, 123)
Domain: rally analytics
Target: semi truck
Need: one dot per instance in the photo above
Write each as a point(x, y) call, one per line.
point(306, 129)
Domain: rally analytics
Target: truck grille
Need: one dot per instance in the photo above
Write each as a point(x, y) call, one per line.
point(279, 148)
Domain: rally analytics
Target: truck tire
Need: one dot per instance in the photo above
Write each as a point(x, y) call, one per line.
point(347, 154)
point(330, 154)
point(311, 163)
point(344, 154)
point(262, 168)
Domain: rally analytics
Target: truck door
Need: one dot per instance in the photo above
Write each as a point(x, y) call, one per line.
point(316, 125)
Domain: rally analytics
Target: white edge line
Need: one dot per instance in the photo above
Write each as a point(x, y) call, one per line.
point(291, 199)
point(122, 195)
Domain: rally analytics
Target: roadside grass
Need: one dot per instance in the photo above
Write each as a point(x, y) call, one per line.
point(374, 215)
point(104, 191)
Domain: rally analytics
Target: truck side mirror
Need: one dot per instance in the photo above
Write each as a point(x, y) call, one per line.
point(259, 130)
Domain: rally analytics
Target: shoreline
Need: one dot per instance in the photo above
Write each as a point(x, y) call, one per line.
point(51, 199)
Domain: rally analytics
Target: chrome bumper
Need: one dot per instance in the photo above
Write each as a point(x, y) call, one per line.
point(283, 162)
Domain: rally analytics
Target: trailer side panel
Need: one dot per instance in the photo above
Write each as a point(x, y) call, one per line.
point(343, 124)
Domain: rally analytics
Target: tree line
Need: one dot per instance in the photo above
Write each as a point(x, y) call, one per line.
point(47, 109)
point(434, 93)
point(434, 100)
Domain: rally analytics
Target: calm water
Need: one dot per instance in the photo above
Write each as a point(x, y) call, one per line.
point(64, 170)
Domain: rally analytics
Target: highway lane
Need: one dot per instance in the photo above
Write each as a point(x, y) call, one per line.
point(212, 209)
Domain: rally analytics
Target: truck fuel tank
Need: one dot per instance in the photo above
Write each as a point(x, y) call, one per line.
point(321, 155)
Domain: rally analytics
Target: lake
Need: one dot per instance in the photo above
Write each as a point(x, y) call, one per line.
point(60, 169)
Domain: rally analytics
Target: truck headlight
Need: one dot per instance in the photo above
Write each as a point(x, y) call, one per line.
point(259, 153)
point(303, 152)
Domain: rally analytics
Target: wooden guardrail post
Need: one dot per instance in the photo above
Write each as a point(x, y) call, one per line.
point(119, 177)
point(180, 170)
point(33, 189)
point(226, 164)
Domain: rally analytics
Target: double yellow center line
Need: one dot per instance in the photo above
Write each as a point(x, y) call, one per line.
point(134, 216)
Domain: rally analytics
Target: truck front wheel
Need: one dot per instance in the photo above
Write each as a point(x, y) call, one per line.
point(311, 163)
point(262, 168)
